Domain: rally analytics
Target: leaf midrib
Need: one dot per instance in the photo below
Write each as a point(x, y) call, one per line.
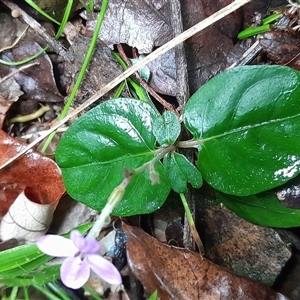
point(244, 128)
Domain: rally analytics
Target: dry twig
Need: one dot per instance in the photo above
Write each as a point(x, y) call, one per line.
point(145, 85)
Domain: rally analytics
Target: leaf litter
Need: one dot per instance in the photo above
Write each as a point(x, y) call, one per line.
point(182, 261)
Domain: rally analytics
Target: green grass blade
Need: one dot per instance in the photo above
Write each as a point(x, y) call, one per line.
point(39, 10)
point(24, 61)
point(65, 19)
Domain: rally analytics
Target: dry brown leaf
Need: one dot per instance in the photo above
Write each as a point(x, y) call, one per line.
point(37, 82)
point(136, 23)
point(38, 174)
point(9, 94)
point(181, 274)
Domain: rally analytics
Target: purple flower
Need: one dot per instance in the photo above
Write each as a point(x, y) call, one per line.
point(81, 256)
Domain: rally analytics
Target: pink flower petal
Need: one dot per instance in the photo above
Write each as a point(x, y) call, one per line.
point(85, 245)
point(77, 238)
point(56, 245)
point(74, 272)
point(104, 269)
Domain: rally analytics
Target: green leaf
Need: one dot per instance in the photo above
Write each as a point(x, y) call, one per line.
point(40, 276)
point(247, 122)
point(18, 260)
point(180, 171)
point(262, 209)
point(153, 296)
point(94, 152)
point(166, 128)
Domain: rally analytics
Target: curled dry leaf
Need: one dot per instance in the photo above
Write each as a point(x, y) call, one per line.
point(33, 176)
point(26, 220)
point(181, 274)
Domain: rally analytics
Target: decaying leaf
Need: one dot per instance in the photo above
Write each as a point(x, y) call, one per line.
point(181, 274)
point(33, 173)
point(102, 69)
point(9, 94)
point(27, 220)
point(242, 247)
point(37, 82)
point(136, 23)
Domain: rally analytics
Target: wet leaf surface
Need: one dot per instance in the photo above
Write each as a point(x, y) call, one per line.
point(263, 209)
point(181, 274)
point(259, 121)
point(180, 172)
point(93, 154)
point(166, 128)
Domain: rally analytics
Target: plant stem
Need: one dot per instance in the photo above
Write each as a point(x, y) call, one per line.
point(118, 192)
point(113, 200)
point(192, 223)
point(189, 144)
point(30, 117)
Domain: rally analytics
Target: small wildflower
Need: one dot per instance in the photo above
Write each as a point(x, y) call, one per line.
point(81, 256)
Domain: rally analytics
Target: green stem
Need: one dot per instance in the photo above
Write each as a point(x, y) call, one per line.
point(26, 294)
point(65, 19)
point(87, 59)
point(58, 290)
point(191, 223)
point(14, 292)
point(24, 61)
point(43, 13)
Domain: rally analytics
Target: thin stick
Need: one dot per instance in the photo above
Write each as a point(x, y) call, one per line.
point(18, 70)
point(163, 49)
point(15, 42)
point(37, 27)
point(144, 84)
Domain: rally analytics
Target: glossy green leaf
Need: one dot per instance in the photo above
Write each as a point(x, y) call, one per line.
point(98, 147)
point(166, 128)
point(180, 171)
point(247, 121)
point(262, 209)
